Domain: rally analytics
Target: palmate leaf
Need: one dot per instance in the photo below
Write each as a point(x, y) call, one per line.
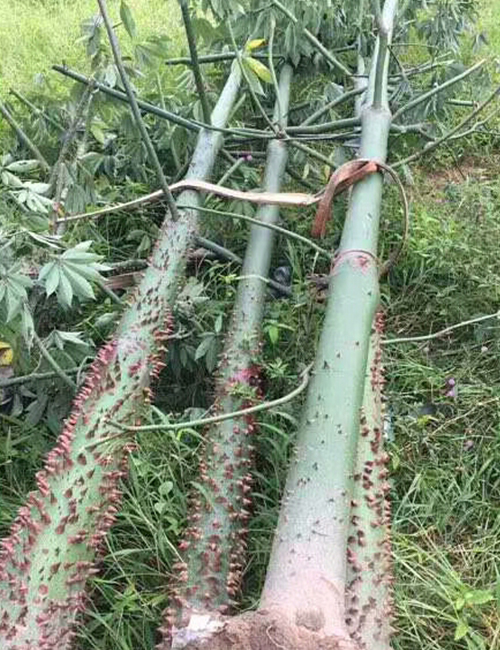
point(57, 338)
point(72, 273)
point(91, 35)
point(30, 194)
point(13, 294)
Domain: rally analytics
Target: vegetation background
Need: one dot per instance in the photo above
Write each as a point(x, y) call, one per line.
point(443, 394)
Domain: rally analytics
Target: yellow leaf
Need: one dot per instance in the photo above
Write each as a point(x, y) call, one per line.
point(6, 354)
point(259, 69)
point(255, 44)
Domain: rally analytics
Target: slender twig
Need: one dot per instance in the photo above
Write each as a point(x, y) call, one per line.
point(434, 91)
point(383, 43)
point(282, 231)
point(314, 41)
point(56, 181)
point(215, 58)
point(244, 73)
point(136, 112)
point(324, 127)
point(220, 251)
point(68, 138)
point(282, 117)
point(461, 102)
point(230, 56)
point(264, 406)
point(53, 363)
point(314, 117)
point(234, 167)
point(311, 152)
point(24, 100)
point(24, 138)
point(308, 137)
point(242, 152)
point(421, 69)
point(476, 128)
point(436, 143)
point(200, 86)
point(39, 376)
point(110, 293)
point(129, 265)
point(446, 330)
point(190, 125)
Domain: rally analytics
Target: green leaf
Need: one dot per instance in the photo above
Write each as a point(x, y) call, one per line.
point(98, 133)
point(45, 270)
point(14, 303)
point(10, 180)
point(38, 188)
point(36, 409)
point(65, 291)
point(461, 630)
point(128, 20)
point(23, 166)
point(58, 338)
point(211, 355)
point(110, 78)
point(160, 506)
point(203, 347)
point(478, 597)
point(27, 325)
point(166, 487)
point(81, 287)
point(475, 641)
point(259, 69)
point(460, 603)
point(52, 279)
point(88, 271)
point(273, 333)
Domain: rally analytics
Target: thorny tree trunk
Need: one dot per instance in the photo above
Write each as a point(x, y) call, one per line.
point(214, 544)
point(48, 557)
point(369, 562)
point(303, 600)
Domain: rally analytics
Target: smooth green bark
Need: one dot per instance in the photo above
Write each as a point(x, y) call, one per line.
point(306, 576)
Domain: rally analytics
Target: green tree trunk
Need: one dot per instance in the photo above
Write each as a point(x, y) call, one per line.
point(306, 577)
point(214, 544)
point(48, 557)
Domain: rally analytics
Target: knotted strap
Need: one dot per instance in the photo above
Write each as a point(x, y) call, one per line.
point(342, 178)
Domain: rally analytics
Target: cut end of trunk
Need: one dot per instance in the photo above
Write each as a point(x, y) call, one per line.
point(265, 629)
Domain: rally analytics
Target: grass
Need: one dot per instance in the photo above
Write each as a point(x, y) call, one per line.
point(446, 450)
point(34, 34)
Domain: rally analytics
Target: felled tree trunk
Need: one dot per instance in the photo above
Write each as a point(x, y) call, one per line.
point(49, 555)
point(303, 600)
point(213, 548)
